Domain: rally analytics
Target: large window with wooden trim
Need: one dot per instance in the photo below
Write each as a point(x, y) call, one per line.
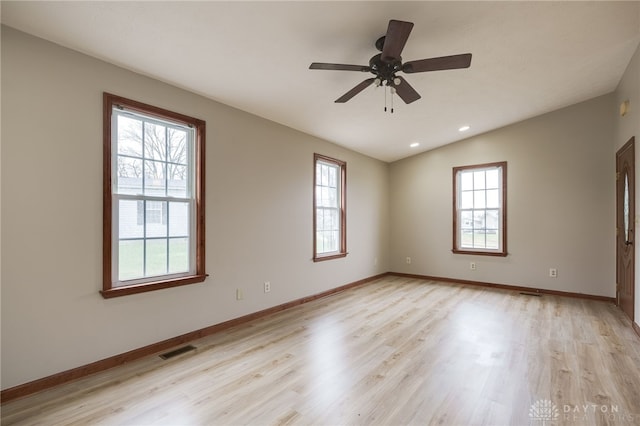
point(329, 208)
point(480, 209)
point(153, 206)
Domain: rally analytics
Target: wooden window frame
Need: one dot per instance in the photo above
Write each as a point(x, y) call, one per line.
point(342, 252)
point(108, 289)
point(502, 252)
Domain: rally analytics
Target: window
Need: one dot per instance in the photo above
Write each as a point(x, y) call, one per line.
point(480, 209)
point(153, 207)
point(329, 211)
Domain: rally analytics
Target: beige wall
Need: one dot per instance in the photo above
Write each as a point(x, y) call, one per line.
point(561, 203)
point(259, 215)
point(625, 128)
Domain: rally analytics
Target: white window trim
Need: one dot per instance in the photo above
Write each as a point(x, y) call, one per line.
point(341, 167)
point(502, 210)
point(190, 200)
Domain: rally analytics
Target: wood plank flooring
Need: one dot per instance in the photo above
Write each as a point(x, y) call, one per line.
point(395, 351)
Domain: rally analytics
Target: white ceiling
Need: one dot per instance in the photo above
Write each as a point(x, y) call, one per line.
point(528, 58)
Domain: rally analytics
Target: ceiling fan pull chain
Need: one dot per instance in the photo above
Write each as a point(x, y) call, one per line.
point(391, 99)
point(385, 98)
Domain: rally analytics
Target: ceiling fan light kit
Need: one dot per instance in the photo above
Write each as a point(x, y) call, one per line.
point(386, 64)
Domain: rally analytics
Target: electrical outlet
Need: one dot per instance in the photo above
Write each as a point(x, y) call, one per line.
point(408, 260)
point(267, 286)
point(239, 294)
point(375, 261)
point(472, 266)
point(553, 272)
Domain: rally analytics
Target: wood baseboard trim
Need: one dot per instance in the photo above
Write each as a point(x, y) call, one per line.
point(507, 287)
point(114, 361)
point(635, 327)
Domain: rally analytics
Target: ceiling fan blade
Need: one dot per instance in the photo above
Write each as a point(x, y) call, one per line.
point(438, 64)
point(397, 35)
point(406, 92)
point(338, 67)
point(351, 93)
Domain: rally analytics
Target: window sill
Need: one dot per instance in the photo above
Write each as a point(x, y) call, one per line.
point(329, 257)
point(151, 286)
point(481, 253)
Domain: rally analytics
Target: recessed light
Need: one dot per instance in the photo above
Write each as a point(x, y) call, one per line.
point(414, 145)
point(464, 128)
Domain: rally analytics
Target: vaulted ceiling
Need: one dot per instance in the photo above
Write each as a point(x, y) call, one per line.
point(528, 58)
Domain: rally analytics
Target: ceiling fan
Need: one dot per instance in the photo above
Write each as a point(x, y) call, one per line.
point(386, 64)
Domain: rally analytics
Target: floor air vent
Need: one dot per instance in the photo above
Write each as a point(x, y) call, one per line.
point(177, 352)
point(531, 294)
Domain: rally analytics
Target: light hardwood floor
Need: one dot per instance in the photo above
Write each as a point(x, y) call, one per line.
point(395, 351)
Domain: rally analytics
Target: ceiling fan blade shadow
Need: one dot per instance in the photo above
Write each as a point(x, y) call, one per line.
point(338, 67)
point(351, 93)
point(407, 93)
point(397, 35)
point(438, 64)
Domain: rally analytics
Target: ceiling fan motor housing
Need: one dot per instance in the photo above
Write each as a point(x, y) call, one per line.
point(385, 70)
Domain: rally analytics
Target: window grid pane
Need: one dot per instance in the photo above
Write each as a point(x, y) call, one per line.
point(328, 210)
point(479, 209)
point(162, 168)
point(131, 259)
point(154, 223)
